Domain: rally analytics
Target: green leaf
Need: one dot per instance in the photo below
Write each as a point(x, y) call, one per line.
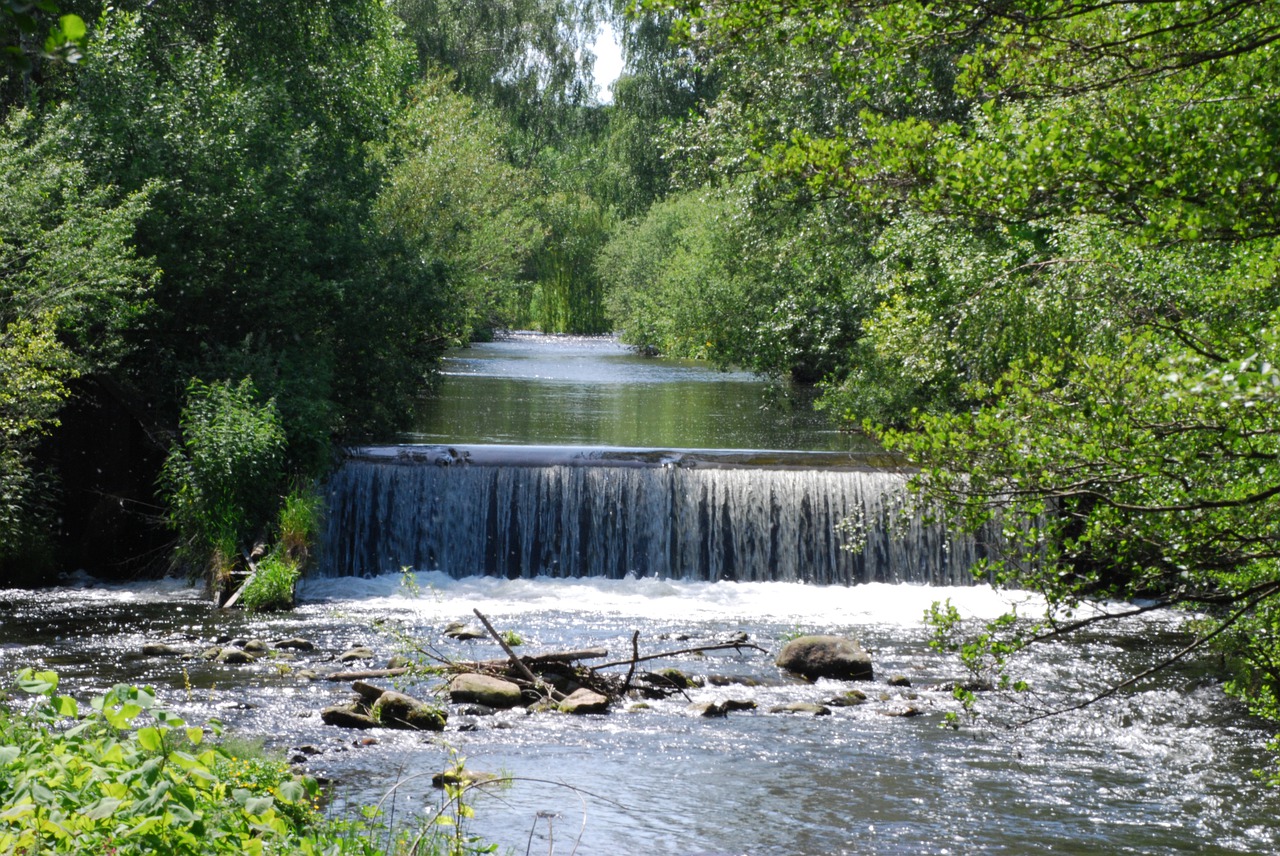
point(102, 809)
point(37, 683)
point(257, 806)
point(150, 739)
point(73, 27)
point(66, 706)
point(292, 790)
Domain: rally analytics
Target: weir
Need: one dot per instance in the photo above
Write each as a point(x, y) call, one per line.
point(557, 511)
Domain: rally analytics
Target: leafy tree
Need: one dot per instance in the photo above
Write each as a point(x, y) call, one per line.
point(569, 296)
point(528, 59)
point(71, 286)
point(1075, 290)
point(256, 130)
point(452, 194)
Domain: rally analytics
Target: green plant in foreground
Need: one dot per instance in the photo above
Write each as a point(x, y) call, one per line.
point(127, 776)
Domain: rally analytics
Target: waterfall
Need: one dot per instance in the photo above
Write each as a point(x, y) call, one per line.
point(526, 511)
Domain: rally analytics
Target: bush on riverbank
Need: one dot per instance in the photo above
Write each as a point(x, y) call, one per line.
point(272, 586)
point(127, 776)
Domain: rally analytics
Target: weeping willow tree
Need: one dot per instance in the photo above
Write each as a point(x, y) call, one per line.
point(569, 297)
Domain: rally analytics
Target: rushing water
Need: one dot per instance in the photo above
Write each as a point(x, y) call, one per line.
point(528, 511)
point(1163, 767)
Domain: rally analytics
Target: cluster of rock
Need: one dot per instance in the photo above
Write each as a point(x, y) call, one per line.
point(558, 685)
point(376, 707)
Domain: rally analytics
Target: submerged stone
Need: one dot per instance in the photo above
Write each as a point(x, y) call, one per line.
point(352, 655)
point(851, 698)
point(234, 656)
point(802, 707)
point(464, 632)
point(347, 715)
point(670, 678)
point(707, 709)
point(160, 649)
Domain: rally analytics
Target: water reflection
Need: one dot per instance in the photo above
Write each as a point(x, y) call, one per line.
point(594, 391)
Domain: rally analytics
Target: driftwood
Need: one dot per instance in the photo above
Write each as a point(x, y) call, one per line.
point(366, 674)
point(525, 671)
point(719, 646)
point(530, 671)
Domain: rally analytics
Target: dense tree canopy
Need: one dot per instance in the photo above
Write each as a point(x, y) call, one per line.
point(217, 192)
point(1070, 302)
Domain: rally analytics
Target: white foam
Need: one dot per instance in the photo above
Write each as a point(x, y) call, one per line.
point(439, 595)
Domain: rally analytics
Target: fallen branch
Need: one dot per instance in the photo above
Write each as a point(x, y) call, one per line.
point(529, 676)
point(533, 659)
point(366, 674)
point(719, 646)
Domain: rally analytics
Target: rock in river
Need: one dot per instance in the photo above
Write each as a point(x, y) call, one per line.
point(585, 701)
point(397, 710)
point(826, 657)
point(483, 689)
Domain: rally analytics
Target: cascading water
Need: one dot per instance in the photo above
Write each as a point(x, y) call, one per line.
point(527, 511)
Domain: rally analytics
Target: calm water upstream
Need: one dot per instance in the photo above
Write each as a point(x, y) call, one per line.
point(529, 388)
point(1162, 768)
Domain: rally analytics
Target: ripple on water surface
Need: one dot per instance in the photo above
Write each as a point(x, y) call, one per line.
point(1163, 768)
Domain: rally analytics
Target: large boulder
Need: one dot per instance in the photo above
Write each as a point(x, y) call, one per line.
point(483, 689)
point(835, 657)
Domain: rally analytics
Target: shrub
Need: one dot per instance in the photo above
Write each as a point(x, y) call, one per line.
point(271, 588)
point(222, 480)
point(299, 524)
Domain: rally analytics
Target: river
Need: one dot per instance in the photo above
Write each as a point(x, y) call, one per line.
point(1164, 767)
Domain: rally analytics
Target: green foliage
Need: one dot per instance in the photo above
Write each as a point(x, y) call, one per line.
point(271, 587)
point(528, 59)
point(569, 293)
point(23, 23)
point(222, 480)
point(453, 196)
point(666, 271)
point(127, 776)
point(708, 275)
point(1068, 300)
point(70, 285)
point(298, 524)
point(259, 138)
